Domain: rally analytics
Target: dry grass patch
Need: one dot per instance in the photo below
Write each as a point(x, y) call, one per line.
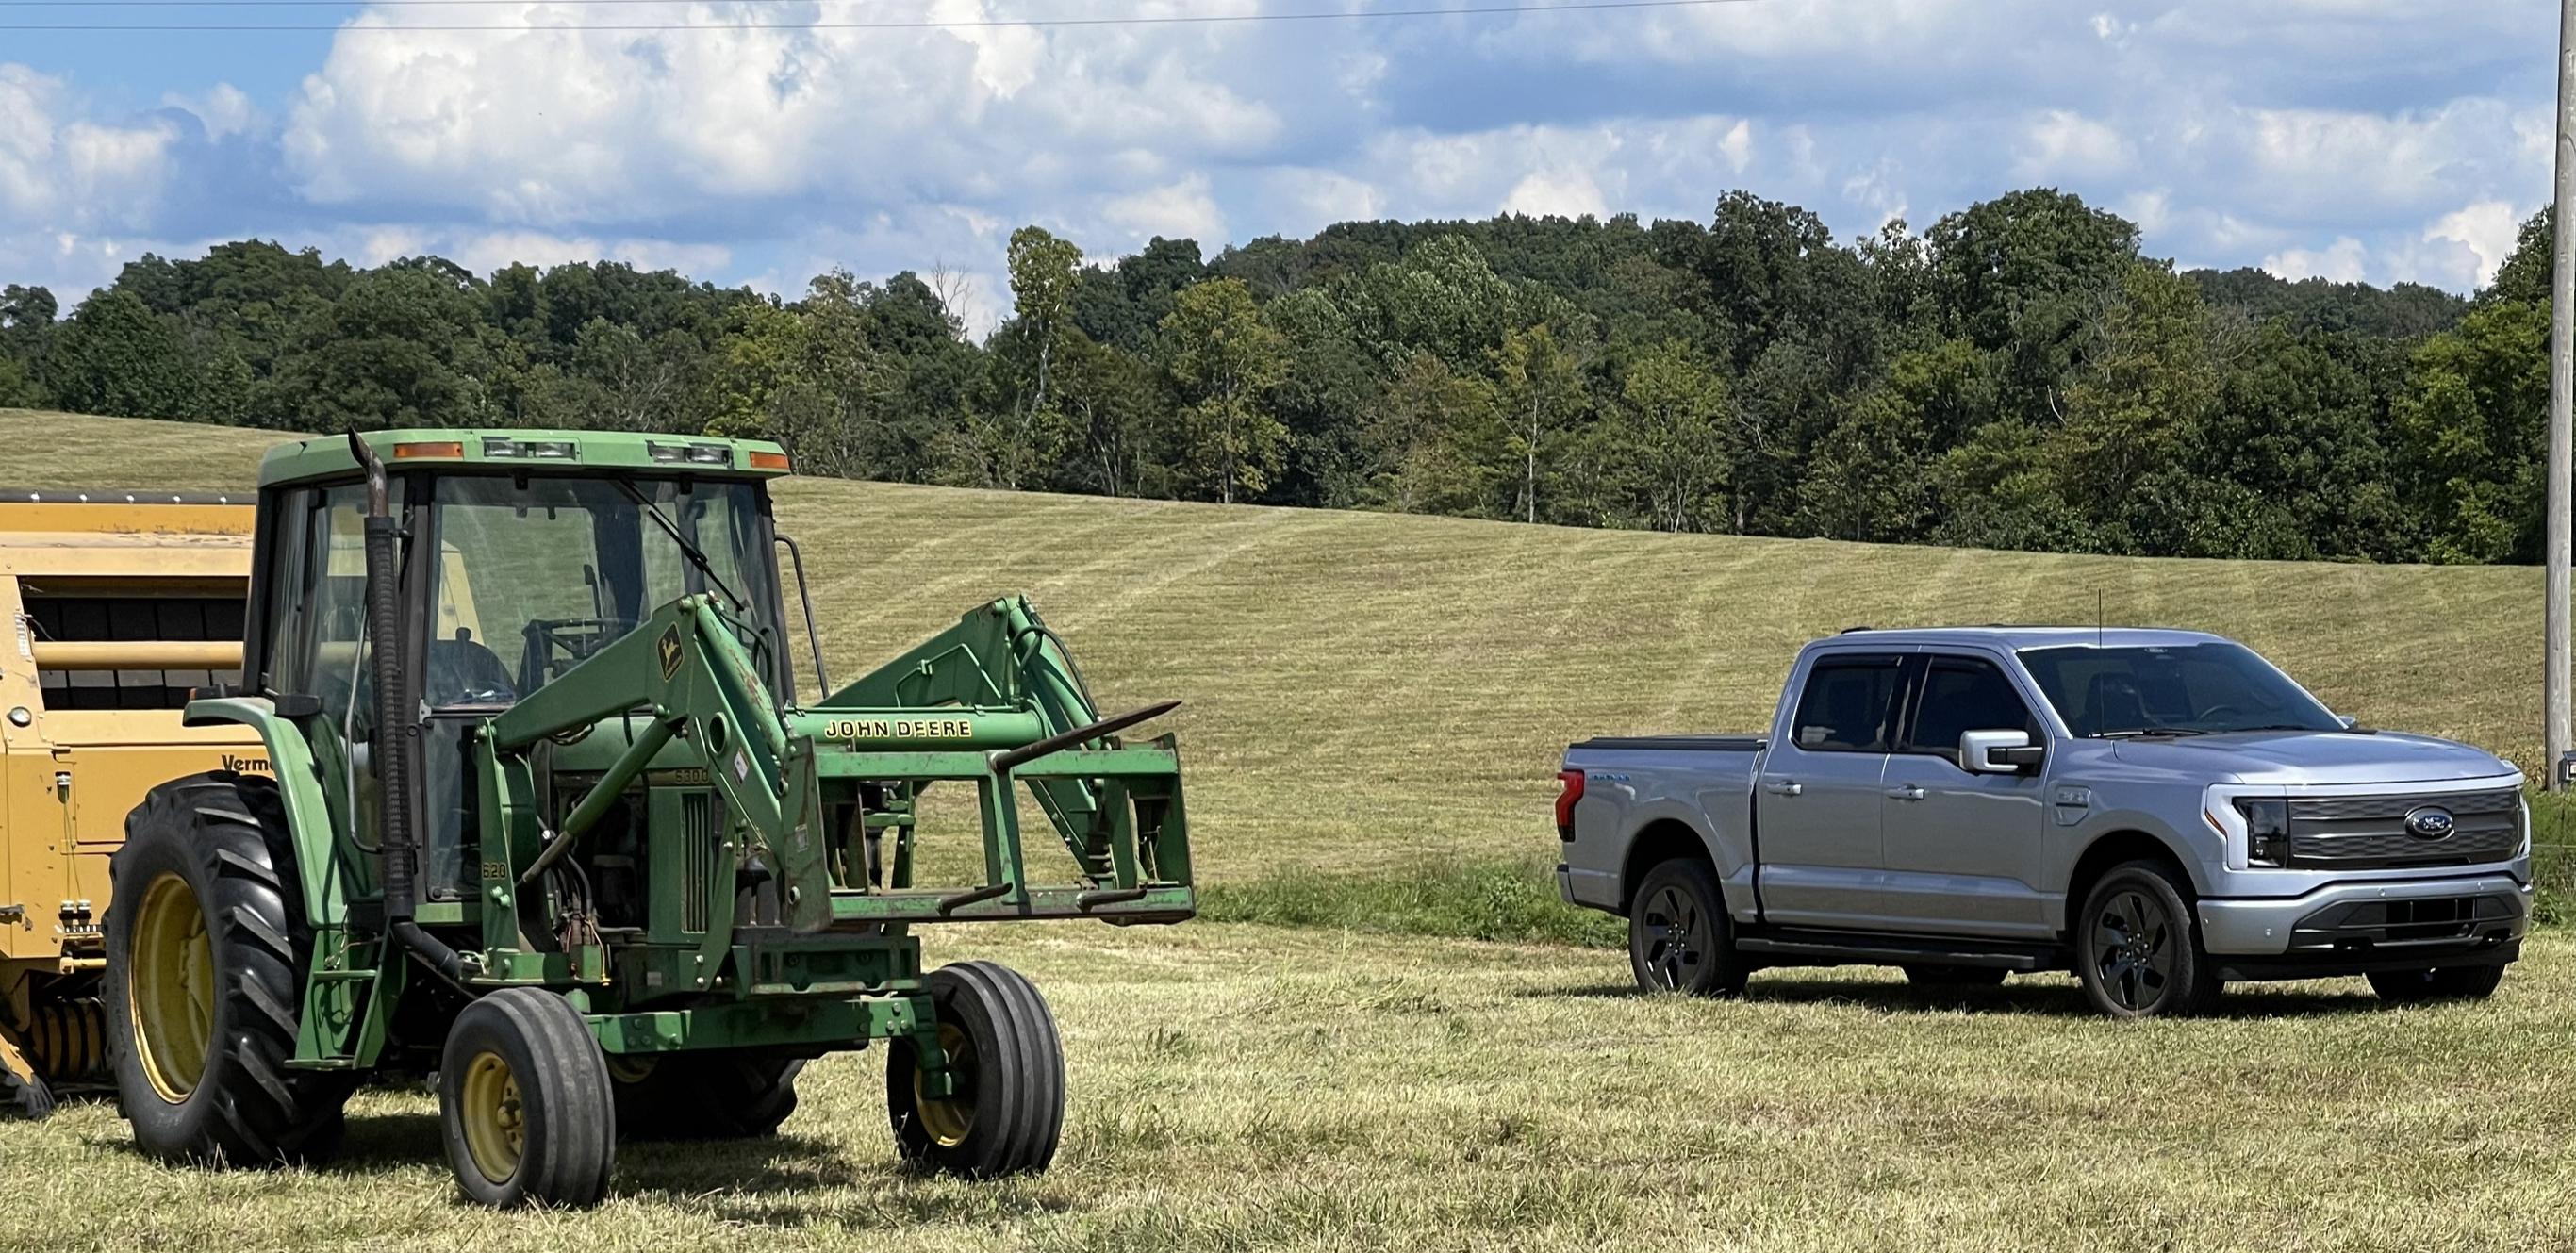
point(1249, 1088)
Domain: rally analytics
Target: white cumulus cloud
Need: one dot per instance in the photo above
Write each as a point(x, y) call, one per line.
point(2374, 138)
point(2487, 229)
point(2343, 261)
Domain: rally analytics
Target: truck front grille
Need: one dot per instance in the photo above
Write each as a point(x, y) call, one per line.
point(2372, 833)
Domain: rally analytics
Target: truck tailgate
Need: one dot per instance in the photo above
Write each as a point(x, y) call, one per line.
point(1650, 787)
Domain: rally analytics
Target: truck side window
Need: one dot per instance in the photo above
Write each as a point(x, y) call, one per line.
point(1962, 694)
point(1846, 705)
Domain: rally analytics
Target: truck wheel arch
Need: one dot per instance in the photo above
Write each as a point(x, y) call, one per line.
point(1659, 841)
point(2112, 848)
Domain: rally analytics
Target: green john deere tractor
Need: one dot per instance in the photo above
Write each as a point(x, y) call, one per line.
point(544, 818)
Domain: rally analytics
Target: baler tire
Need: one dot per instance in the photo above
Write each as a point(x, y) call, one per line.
point(217, 843)
point(524, 1104)
point(25, 1095)
point(715, 1095)
point(1001, 1039)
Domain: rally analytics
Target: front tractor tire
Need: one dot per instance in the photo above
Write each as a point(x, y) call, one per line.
point(206, 951)
point(524, 1103)
point(1000, 1045)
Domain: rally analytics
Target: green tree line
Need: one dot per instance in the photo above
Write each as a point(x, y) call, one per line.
point(2019, 375)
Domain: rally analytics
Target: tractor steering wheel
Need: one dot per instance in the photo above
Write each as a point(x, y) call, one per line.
point(555, 645)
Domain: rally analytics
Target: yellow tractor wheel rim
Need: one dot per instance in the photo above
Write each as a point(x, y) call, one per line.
point(171, 988)
point(948, 1119)
point(496, 1125)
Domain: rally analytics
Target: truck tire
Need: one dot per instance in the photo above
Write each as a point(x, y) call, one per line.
point(524, 1104)
point(206, 953)
point(2137, 945)
point(1679, 936)
point(1931, 976)
point(2448, 983)
point(714, 1095)
point(1000, 1040)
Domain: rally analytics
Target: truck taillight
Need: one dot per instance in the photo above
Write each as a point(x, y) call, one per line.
point(1570, 790)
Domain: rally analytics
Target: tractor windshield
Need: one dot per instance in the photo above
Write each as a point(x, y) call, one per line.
point(536, 574)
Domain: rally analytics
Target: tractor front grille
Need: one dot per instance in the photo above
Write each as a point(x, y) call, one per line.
point(698, 853)
point(2371, 832)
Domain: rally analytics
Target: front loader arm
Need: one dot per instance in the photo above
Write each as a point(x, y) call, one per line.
point(994, 702)
point(1001, 654)
point(686, 668)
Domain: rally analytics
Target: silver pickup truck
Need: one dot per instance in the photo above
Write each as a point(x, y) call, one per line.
point(2160, 812)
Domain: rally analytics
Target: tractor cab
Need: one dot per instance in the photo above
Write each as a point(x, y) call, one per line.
point(523, 556)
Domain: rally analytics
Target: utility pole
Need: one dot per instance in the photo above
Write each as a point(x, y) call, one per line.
point(2562, 395)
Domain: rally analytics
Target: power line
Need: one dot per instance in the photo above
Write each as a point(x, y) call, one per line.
point(1178, 19)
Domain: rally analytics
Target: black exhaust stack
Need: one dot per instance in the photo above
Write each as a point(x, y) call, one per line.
point(397, 748)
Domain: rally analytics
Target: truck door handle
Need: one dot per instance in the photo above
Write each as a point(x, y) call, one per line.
point(1909, 792)
point(1782, 787)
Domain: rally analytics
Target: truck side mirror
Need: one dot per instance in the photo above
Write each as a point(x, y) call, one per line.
point(1999, 752)
point(2349, 722)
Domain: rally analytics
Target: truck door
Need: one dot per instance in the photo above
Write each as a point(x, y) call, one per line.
point(1962, 849)
point(1817, 800)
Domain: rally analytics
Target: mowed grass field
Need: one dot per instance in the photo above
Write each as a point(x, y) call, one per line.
point(1245, 1088)
point(1378, 701)
point(1383, 694)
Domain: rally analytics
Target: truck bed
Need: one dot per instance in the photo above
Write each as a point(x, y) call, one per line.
point(1699, 783)
point(1676, 743)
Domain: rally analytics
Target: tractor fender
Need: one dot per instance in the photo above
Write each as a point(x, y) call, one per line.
point(299, 787)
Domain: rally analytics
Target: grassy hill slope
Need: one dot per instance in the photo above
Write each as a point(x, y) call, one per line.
point(1373, 692)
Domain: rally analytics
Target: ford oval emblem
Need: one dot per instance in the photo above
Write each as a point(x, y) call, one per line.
point(2431, 822)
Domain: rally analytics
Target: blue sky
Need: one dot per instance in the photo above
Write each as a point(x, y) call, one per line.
point(2356, 139)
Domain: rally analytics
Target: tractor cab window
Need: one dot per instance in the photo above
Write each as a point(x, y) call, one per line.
point(535, 574)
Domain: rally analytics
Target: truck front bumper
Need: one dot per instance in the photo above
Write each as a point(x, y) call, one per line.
point(2356, 928)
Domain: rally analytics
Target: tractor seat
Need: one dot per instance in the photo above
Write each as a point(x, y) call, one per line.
point(464, 672)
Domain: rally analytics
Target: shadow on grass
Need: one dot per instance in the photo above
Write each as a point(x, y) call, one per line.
point(781, 1180)
point(2027, 999)
point(770, 1180)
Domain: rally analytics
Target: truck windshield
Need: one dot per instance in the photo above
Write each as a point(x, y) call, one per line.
point(534, 576)
point(2185, 689)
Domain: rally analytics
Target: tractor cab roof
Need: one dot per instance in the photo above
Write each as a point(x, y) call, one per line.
point(535, 451)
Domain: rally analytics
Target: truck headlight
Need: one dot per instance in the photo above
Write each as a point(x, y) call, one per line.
point(2267, 830)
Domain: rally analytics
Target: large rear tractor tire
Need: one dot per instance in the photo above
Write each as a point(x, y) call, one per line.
point(716, 1095)
point(524, 1103)
point(206, 952)
point(1000, 1042)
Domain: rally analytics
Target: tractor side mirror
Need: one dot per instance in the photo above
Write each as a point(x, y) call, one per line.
point(1999, 752)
